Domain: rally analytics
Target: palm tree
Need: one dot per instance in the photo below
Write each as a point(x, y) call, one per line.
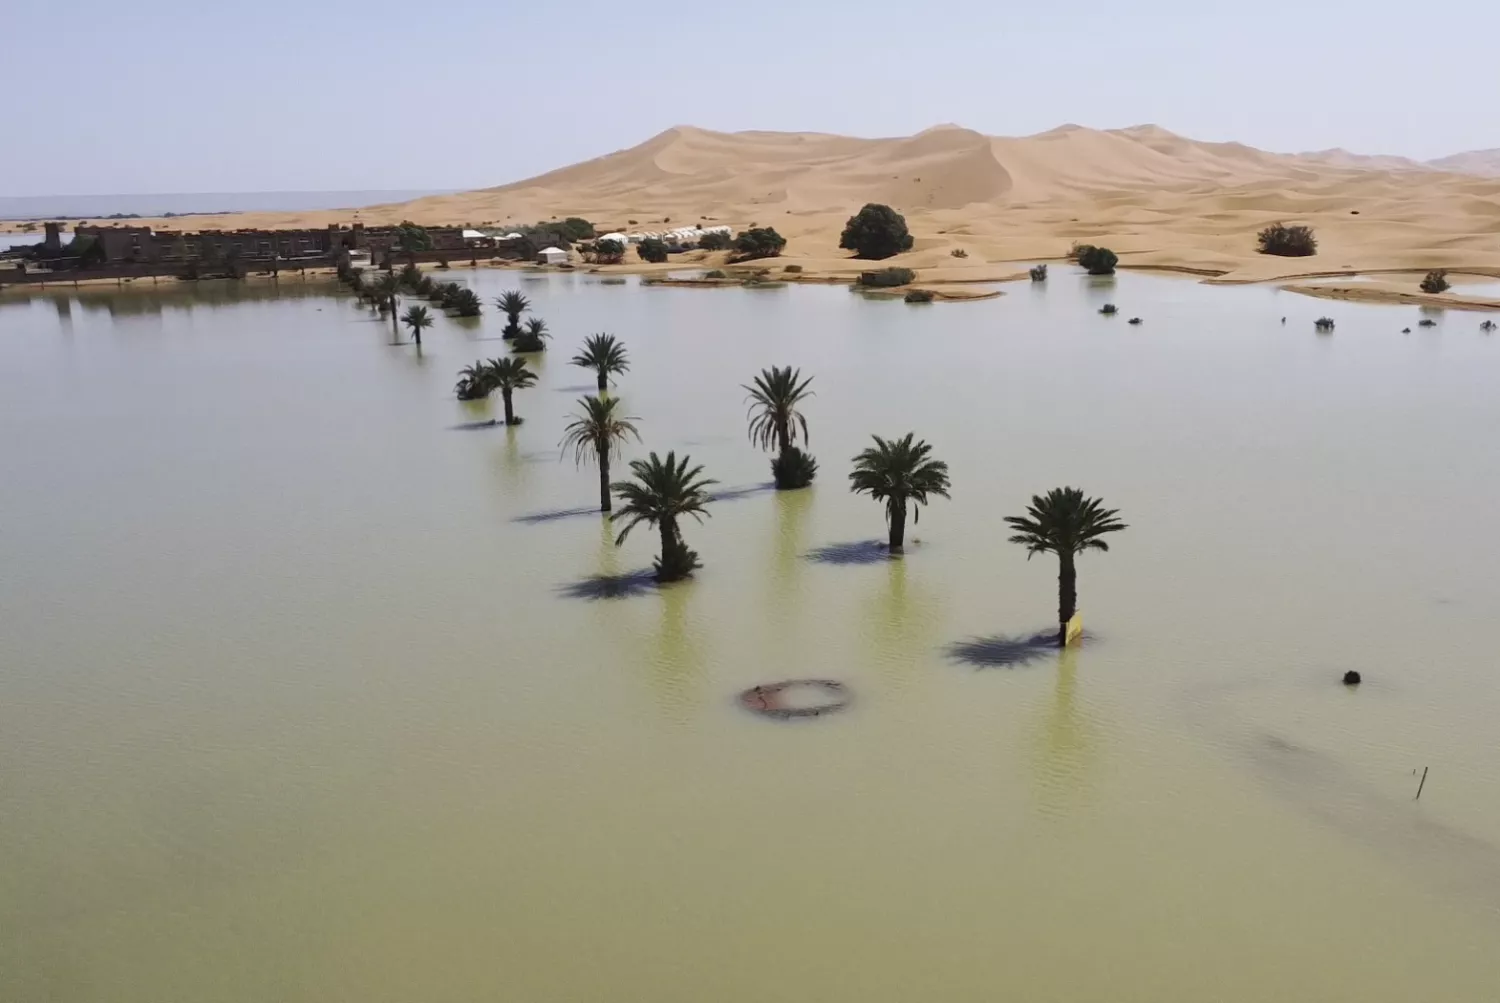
point(418, 319)
point(599, 433)
point(512, 304)
point(898, 472)
point(509, 375)
point(386, 289)
point(774, 420)
point(604, 354)
point(1065, 523)
point(474, 382)
point(663, 491)
point(532, 337)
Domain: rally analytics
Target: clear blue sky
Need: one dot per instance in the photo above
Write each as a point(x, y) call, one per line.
point(108, 96)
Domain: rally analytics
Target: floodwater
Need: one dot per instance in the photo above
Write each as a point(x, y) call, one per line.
point(308, 692)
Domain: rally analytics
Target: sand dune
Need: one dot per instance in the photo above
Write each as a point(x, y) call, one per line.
point(1157, 198)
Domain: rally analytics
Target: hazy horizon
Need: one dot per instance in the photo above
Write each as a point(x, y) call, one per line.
point(296, 98)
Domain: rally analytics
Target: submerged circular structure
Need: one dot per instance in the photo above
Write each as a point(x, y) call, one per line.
point(793, 698)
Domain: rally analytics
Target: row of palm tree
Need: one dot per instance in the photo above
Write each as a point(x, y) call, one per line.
point(901, 473)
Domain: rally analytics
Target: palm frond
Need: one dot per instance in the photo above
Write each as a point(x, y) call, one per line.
point(662, 490)
point(774, 396)
point(602, 353)
point(510, 374)
point(1064, 521)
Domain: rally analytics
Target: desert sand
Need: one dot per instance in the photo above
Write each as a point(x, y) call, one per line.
point(1158, 199)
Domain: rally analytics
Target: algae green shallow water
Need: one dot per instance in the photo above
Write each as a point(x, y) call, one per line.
point(297, 703)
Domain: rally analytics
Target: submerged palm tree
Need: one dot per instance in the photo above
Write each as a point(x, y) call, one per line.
point(897, 472)
point(1065, 523)
point(512, 304)
point(418, 319)
point(775, 420)
point(604, 354)
point(663, 492)
point(532, 338)
point(509, 375)
point(598, 433)
point(386, 289)
point(474, 382)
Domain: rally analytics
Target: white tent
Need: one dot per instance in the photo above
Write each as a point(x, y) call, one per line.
point(552, 256)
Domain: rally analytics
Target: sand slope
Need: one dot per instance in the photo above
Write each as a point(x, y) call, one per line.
point(1157, 198)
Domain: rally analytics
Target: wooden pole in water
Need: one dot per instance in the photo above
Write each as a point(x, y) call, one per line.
point(1420, 785)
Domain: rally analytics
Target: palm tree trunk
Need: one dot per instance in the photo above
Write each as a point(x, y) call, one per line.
point(603, 381)
point(604, 502)
point(783, 436)
point(395, 321)
point(898, 525)
point(510, 415)
point(1067, 596)
point(416, 332)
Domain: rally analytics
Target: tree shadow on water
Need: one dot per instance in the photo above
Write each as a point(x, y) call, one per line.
point(736, 494)
point(625, 586)
point(469, 426)
point(853, 552)
point(581, 388)
point(556, 514)
point(1005, 651)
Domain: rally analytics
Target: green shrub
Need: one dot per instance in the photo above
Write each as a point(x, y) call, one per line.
point(1077, 251)
point(875, 232)
point(959, 252)
point(884, 278)
point(919, 296)
point(1109, 309)
point(1287, 241)
point(467, 303)
point(1323, 323)
point(1435, 282)
point(576, 228)
point(792, 268)
point(716, 273)
point(715, 241)
point(1487, 326)
point(652, 249)
point(411, 237)
point(758, 242)
point(1098, 260)
point(1038, 273)
point(793, 469)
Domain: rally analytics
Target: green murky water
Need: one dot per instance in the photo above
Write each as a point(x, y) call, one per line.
point(300, 702)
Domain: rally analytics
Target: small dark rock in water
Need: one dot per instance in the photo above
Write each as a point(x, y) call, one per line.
point(1134, 320)
point(1406, 330)
point(1427, 322)
point(1351, 678)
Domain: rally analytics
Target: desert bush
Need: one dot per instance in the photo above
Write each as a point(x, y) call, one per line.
point(792, 268)
point(883, 278)
point(959, 252)
point(608, 252)
point(1487, 326)
point(1038, 273)
point(466, 302)
point(1077, 251)
point(1435, 282)
point(1287, 241)
point(1098, 260)
point(716, 273)
point(758, 242)
point(652, 249)
point(875, 232)
point(793, 469)
point(1323, 323)
point(1427, 322)
point(919, 296)
point(1109, 309)
point(576, 228)
point(715, 241)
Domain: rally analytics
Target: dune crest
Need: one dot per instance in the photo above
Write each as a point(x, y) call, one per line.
point(1156, 197)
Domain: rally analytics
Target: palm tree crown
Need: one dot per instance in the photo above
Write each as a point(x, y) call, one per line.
point(510, 374)
point(598, 431)
point(774, 396)
point(899, 469)
point(663, 491)
point(1064, 522)
point(417, 318)
point(474, 382)
point(513, 304)
point(604, 354)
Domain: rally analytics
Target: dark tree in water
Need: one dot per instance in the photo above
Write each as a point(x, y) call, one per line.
point(1287, 241)
point(604, 354)
point(876, 231)
point(513, 305)
point(901, 473)
point(1065, 523)
point(417, 318)
point(662, 492)
point(509, 375)
point(597, 434)
point(775, 421)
